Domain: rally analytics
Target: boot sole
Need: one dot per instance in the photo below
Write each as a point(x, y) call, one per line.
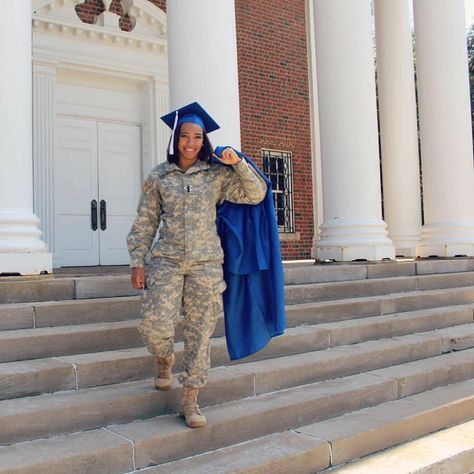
point(163, 387)
point(195, 424)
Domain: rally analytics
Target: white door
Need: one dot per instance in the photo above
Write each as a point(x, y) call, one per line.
point(119, 188)
point(97, 184)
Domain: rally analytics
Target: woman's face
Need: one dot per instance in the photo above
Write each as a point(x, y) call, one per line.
point(191, 140)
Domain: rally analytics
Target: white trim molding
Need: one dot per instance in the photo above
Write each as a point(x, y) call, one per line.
point(71, 57)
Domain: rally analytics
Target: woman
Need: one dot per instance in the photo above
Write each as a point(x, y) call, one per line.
point(186, 267)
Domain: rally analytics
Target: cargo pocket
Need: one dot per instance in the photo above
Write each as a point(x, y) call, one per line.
point(218, 303)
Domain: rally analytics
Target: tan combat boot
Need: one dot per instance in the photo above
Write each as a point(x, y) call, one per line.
point(189, 409)
point(164, 374)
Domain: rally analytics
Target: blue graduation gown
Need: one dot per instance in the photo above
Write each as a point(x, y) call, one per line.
point(254, 301)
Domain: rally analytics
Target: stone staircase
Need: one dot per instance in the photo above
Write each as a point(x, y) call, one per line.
point(375, 355)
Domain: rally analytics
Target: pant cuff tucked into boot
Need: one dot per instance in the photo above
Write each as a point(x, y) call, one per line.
point(189, 409)
point(164, 372)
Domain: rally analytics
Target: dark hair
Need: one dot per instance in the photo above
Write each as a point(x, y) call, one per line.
point(204, 154)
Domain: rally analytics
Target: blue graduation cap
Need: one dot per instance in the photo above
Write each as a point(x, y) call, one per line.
point(193, 113)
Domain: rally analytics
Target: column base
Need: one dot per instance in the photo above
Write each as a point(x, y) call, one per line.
point(446, 250)
point(446, 240)
point(350, 253)
point(347, 241)
point(26, 263)
point(405, 247)
point(407, 252)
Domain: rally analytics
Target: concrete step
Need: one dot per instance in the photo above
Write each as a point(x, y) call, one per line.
point(279, 453)
point(65, 412)
point(374, 287)
point(328, 272)
point(417, 362)
point(334, 281)
point(49, 288)
point(22, 344)
point(96, 407)
point(166, 438)
point(89, 452)
point(311, 448)
point(448, 451)
point(108, 367)
point(378, 286)
point(351, 308)
point(68, 312)
point(59, 313)
point(26, 344)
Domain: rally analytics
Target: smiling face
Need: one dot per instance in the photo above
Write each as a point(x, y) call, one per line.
point(190, 142)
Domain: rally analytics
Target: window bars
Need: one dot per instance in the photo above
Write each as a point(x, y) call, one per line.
point(278, 166)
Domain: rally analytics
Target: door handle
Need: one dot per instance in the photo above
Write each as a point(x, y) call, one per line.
point(94, 214)
point(103, 215)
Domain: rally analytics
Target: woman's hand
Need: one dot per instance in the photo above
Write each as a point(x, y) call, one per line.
point(138, 278)
point(229, 157)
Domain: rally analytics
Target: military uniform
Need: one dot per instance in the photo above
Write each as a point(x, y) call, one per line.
point(186, 267)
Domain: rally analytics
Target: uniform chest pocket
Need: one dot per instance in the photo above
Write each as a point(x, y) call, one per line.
point(201, 187)
point(172, 193)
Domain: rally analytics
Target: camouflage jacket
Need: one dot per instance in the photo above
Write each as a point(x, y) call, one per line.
point(185, 204)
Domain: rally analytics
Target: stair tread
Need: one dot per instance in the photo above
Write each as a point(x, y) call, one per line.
point(313, 368)
point(351, 435)
point(450, 451)
point(64, 453)
point(73, 328)
point(106, 286)
point(94, 327)
point(346, 324)
point(353, 374)
point(134, 363)
point(255, 452)
point(290, 307)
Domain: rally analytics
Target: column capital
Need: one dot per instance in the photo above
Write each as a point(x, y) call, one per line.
point(44, 66)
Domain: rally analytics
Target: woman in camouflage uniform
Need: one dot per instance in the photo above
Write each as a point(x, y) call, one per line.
point(185, 273)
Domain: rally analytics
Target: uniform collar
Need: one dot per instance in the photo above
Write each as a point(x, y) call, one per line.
point(198, 166)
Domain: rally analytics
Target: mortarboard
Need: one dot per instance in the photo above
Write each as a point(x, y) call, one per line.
point(193, 113)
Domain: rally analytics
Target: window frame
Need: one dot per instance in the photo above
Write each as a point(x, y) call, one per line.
point(288, 209)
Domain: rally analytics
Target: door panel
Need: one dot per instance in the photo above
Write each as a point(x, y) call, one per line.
point(95, 161)
point(75, 184)
point(119, 186)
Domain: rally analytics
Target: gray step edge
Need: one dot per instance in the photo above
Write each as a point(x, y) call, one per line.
point(123, 365)
point(328, 448)
point(48, 288)
point(97, 406)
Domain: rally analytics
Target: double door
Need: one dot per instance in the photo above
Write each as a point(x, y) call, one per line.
point(97, 185)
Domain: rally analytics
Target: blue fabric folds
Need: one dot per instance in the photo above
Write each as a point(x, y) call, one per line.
point(254, 301)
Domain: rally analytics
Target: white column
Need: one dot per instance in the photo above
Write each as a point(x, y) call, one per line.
point(44, 115)
point(155, 134)
point(353, 227)
point(398, 127)
point(202, 58)
point(445, 128)
point(21, 249)
point(315, 136)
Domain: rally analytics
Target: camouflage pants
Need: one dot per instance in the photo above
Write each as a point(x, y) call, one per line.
point(196, 289)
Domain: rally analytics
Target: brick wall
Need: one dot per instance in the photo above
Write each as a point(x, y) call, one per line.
point(274, 93)
point(274, 98)
point(89, 9)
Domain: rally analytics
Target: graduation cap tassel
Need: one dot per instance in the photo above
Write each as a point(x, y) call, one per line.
point(171, 147)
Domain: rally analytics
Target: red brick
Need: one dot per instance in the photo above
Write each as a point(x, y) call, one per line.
point(274, 92)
